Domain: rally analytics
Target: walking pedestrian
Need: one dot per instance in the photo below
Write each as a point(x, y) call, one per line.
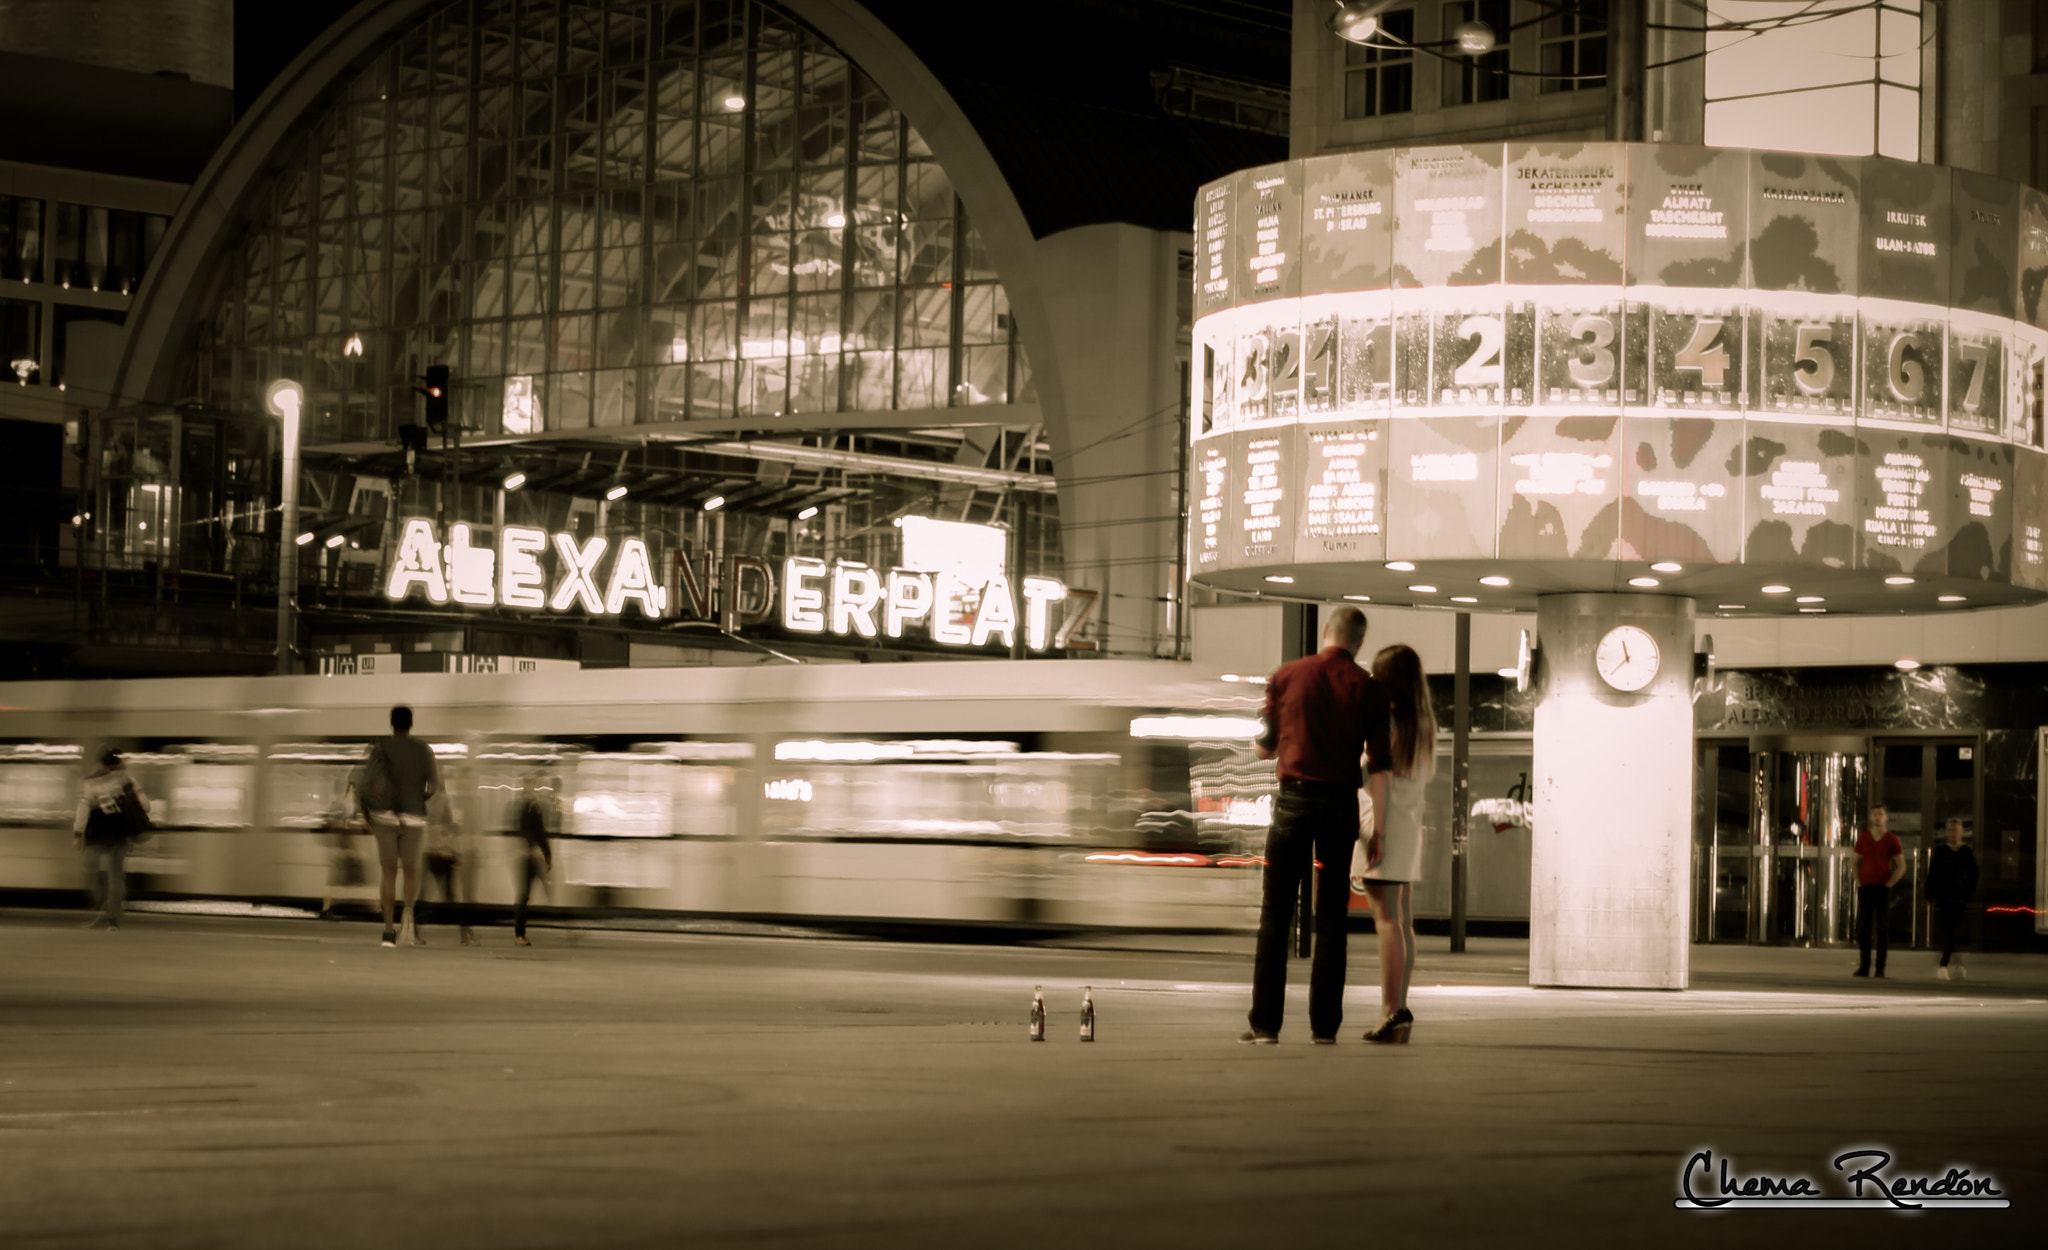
point(111, 814)
point(1951, 880)
point(398, 778)
point(1881, 862)
point(449, 862)
point(1393, 851)
point(1326, 725)
point(344, 822)
point(536, 813)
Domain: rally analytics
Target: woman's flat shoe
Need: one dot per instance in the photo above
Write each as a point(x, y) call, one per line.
point(1393, 1030)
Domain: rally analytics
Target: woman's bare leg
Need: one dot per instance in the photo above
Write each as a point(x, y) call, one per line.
point(1386, 926)
point(1404, 903)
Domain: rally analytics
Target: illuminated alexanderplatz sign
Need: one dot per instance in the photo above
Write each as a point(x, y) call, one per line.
point(955, 588)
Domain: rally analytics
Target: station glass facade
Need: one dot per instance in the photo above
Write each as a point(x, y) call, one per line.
point(603, 215)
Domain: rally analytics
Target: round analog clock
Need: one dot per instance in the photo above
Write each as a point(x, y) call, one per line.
point(1627, 658)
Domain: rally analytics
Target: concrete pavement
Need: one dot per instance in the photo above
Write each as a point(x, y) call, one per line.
point(192, 1082)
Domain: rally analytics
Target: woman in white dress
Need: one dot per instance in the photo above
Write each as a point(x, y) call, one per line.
point(1393, 853)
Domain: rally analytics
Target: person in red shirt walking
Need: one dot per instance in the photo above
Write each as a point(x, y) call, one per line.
point(1326, 724)
point(1881, 862)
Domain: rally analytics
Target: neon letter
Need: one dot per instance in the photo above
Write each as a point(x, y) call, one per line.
point(472, 571)
point(520, 579)
point(1039, 594)
point(910, 599)
point(419, 560)
point(855, 592)
point(800, 603)
point(946, 589)
point(633, 578)
point(577, 567)
point(998, 614)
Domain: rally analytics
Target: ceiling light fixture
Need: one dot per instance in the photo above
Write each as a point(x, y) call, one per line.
point(1644, 583)
point(1731, 607)
point(1948, 599)
point(1359, 598)
point(616, 492)
point(1280, 580)
point(1777, 590)
point(1493, 580)
point(1401, 566)
point(335, 541)
point(303, 539)
point(714, 503)
point(1463, 599)
point(1812, 599)
point(806, 514)
point(1421, 589)
point(1906, 664)
point(1509, 672)
point(734, 103)
point(1898, 579)
point(1667, 566)
point(513, 481)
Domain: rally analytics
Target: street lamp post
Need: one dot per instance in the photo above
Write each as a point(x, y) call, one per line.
point(285, 398)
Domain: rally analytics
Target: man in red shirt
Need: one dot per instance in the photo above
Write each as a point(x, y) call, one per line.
point(1325, 722)
point(1881, 862)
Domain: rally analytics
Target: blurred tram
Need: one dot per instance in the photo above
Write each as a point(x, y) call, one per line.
point(998, 793)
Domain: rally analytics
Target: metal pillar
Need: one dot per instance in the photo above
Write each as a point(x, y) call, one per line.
point(1461, 778)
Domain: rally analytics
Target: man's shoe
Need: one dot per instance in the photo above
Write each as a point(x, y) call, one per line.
point(1860, 972)
point(327, 913)
point(390, 939)
point(1324, 1041)
point(1961, 975)
point(1879, 974)
point(1253, 1038)
point(1941, 972)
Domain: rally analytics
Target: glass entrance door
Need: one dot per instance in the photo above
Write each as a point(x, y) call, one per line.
point(1923, 783)
point(1725, 849)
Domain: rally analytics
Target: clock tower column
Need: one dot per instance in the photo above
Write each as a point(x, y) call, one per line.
point(1611, 851)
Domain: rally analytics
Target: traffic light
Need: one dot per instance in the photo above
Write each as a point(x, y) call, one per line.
point(436, 391)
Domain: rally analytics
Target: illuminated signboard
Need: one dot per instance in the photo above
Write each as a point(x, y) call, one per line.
point(1583, 353)
point(589, 575)
point(955, 588)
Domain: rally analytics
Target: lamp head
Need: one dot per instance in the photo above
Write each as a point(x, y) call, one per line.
point(1358, 20)
point(285, 398)
point(1475, 38)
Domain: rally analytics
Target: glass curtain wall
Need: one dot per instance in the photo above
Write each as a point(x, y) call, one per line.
point(602, 215)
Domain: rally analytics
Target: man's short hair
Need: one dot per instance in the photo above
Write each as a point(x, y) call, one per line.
point(1346, 626)
point(1875, 808)
point(401, 719)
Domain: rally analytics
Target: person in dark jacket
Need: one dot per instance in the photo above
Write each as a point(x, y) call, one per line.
point(1951, 880)
point(111, 814)
point(536, 812)
point(398, 778)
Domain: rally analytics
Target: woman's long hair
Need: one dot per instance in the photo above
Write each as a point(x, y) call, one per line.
point(1399, 669)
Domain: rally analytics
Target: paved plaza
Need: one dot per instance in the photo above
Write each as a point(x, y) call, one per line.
point(212, 1082)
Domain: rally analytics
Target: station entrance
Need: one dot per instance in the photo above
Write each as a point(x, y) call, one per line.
point(1774, 858)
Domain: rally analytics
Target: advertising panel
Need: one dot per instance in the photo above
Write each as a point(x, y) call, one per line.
point(2030, 518)
point(1215, 248)
point(1560, 487)
point(1682, 488)
point(1347, 234)
point(1447, 216)
point(1567, 233)
point(1343, 490)
point(1800, 496)
point(1209, 483)
point(1902, 501)
point(1215, 352)
point(1263, 515)
point(1267, 218)
point(1979, 534)
point(1441, 484)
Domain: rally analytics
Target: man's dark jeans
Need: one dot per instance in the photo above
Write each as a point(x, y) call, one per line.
point(1312, 821)
point(1873, 918)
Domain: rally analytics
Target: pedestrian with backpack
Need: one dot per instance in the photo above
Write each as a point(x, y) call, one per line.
point(111, 814)
point(398, 778)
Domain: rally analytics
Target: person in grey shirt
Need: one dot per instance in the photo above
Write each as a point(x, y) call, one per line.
point(398, 778)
